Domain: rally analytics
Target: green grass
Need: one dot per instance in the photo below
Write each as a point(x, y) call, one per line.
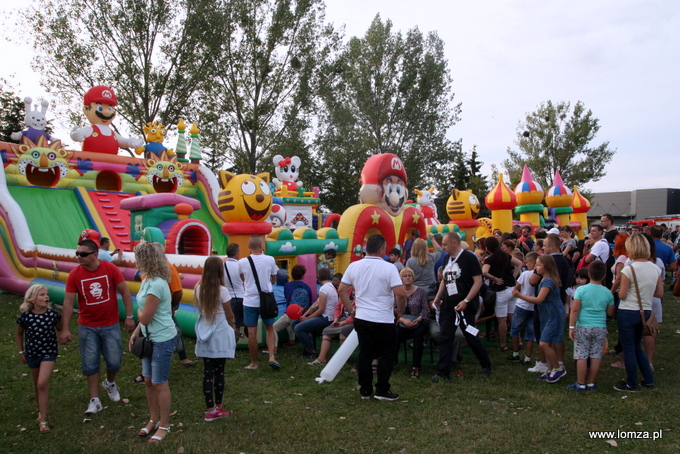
point(287, 412)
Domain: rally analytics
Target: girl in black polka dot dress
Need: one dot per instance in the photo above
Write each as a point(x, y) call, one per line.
point(38, 322)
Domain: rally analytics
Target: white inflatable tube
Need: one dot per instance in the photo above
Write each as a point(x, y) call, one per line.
point(339, 359)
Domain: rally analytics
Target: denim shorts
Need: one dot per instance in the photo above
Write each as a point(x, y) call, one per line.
point(33, 362)
point(552, 323)
point(524, 318)
point(158, 365)
point(251, 314)
point(95, 340)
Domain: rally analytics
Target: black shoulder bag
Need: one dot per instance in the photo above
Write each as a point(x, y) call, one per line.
point(268, 306)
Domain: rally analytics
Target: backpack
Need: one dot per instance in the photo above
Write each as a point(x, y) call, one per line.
point(300, 297)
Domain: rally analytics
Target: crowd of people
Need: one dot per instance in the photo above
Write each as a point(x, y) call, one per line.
point(533, 284)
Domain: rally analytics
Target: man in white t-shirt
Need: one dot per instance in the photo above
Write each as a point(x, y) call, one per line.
point(233, 282)
point(266, 269)
point(376, 285)
point(596, 247)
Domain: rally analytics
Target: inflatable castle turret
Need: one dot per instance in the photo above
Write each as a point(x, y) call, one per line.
point(559, 198)
point(579, 216)
point(501, 201)
point(529, 197)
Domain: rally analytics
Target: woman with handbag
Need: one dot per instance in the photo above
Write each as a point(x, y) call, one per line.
point(155, 323)
point(414, 322)
point(640, 281)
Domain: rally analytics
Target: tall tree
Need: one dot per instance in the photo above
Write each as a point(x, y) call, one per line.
point(154, 54)
point(385, 93)
point(556, 138)
point(264, 78)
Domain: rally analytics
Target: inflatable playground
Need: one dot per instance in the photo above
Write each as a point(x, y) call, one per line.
point(50, 196)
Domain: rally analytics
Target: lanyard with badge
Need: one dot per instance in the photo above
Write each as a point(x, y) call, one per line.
point(451, 274)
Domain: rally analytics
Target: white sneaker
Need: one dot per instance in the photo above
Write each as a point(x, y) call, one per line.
point(539, 368)
point(111, 390)
point(527, 360)
point(94, 407)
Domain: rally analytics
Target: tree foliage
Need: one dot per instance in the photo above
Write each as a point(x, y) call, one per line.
point(154, 54)
point(385, 93)
point(556, 138)
point(12, 113)
point(265, 77)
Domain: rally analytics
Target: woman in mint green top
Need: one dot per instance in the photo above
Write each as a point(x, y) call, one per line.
point(155, 321)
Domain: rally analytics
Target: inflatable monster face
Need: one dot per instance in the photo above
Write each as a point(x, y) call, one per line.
point(39, 164)
point(165, 174)
point(383, 183)
point(462, 205)
point(244, 198)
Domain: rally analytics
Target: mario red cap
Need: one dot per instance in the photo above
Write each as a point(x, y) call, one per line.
point(102, 94)
point(90, 234)
point(380, 166)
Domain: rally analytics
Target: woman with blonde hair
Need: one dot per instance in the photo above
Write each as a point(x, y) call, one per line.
point(414, 322)
point(422, 263)
point(155, 321)
point(640, 282)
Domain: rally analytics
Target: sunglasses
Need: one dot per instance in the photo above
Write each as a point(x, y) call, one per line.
point(83, 254)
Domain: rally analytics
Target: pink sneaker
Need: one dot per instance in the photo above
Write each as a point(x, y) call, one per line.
point(217, 413)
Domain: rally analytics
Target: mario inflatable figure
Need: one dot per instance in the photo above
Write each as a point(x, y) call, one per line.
point(383, 183)
point(100, 110)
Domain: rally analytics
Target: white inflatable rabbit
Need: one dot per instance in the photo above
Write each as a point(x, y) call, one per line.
point(35, 122)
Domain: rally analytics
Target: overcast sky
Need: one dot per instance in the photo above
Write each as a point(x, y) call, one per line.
point(620, 58)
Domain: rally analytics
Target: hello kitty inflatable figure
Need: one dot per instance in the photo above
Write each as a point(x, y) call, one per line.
point(287, 171)
point(427, 206)
point(35, 122)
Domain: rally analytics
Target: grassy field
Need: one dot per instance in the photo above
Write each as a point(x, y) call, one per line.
point(287, 412)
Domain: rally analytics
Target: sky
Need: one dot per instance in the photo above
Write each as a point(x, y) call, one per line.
point(620, 58)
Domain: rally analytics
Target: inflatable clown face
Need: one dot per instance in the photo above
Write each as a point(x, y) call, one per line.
point(383, 183)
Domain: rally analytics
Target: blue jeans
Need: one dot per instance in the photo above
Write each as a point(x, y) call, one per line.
point(524, 318)
point(630, 336)
point(105, 340)
point(304, 329)
point(158, 365)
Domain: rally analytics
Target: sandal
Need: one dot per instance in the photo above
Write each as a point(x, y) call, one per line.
point(503, 348)
point(618, 365)
point(43, 427)
point(143, 432)
point(156, 438)
point(415, 373)
point(138, 379)
point(190, 363)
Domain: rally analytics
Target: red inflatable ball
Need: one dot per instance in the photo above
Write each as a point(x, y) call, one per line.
point(294, 311)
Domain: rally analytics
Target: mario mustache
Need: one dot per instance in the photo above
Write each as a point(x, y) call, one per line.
point(105, 117)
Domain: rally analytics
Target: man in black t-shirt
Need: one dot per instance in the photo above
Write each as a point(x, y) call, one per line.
point(458, 293)
point(607, 223)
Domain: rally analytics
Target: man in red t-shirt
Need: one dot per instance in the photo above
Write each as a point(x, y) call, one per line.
point(96, 282)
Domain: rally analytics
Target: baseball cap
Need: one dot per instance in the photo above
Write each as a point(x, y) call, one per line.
point(102, 94)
